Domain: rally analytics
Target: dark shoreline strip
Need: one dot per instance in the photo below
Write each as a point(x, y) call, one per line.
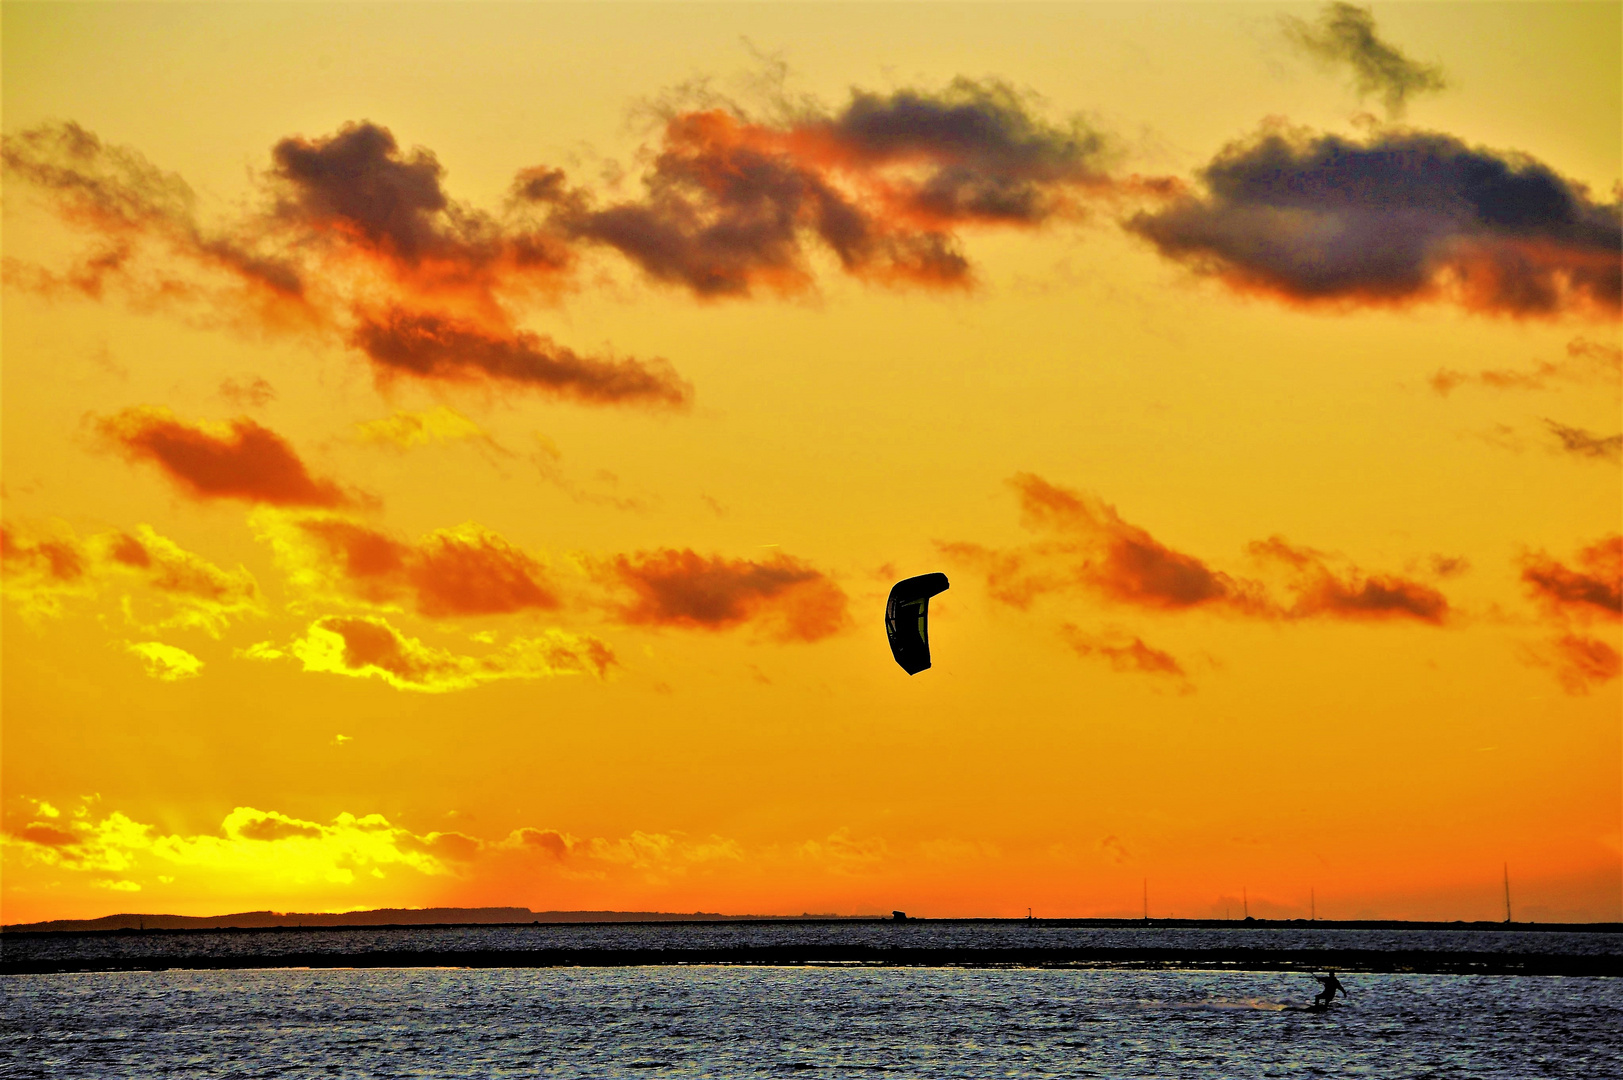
point(1371, 961)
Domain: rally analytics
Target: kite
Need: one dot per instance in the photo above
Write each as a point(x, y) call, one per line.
point(905, 615)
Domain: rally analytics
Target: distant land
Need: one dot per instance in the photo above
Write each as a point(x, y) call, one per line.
point(510, 916)
point(437, 916)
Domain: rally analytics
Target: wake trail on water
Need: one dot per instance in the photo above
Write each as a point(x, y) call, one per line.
point(1235, 1004)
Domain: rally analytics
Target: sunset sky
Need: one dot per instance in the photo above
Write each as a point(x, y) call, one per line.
point(457, 454)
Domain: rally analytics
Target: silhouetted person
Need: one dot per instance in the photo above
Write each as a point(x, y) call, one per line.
point(1331, 984)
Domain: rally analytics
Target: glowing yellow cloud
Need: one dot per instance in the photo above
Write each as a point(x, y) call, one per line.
point(256, 845)
point(46, 568)
point(271, 852)
point(166, 662)
point(404, 430)
point(364, 647)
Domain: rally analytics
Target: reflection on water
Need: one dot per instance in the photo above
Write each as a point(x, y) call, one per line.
point(835, 1021)
point(1222, 1003)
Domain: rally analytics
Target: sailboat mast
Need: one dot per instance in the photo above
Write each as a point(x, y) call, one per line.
point(1507, 892)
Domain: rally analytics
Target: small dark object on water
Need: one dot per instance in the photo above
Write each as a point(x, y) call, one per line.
point(898, 916)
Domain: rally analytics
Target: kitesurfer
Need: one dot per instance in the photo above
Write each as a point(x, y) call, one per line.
point(1331, 984)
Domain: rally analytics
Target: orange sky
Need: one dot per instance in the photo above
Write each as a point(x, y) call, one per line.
point(458, 454)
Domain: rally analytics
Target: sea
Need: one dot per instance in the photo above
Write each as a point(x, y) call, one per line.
point(830, 1019)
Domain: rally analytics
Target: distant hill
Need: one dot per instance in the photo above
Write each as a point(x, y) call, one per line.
point(441, 916)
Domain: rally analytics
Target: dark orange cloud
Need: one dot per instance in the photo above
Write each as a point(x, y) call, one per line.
point(430, 346)
point(466, 571)
point(37, 832)
point(42, 571)
point(241, 460)
point(359, 194)
point(362, 240)
point(254, 393)
point(734, 203)
point(1582, 662)
point(126, 202)
point(789, 598)
point(1123, 652)
point(58, 559)
point(1593, 587)
point(273, 826)
point(1087, 546)
point(548, 842)
point(1398, 217)
point(373, 644)
point(357, 183)
point(1586, 362)
point(1586, 444)
point(1574, 597)
point(1321, 590)
point(167, 567)
point(1123, 562)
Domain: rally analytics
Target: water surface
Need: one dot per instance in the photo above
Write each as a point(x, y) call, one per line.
point(689, 1021)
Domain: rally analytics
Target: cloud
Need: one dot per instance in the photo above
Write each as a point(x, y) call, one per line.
point(126, 203)
point(1591, 588)
point(166, 662)
point(735, 203)
point(204, 596)
point(266, 854)
point(426, 345)
point(358, 191)
point(55, 562)
point(470, 571)
point(360, 244)
point(46, 836)
point(253, 847)
point(1445, 566)
point(407, 430)
point(548, 461)
point(843, 854)
point(43, 571)
point(1087, 546)
point(1345, 35)
point(1574, 598)
point(549, 843)
point(448, 572)
point(1115, 849)
point(1348, 594)
point(366, 647)
point(1090, 546)
point(1580, 661)
point(357, 184)
point(658, 851)
point(1584, 662)
point(1586, 362)
point(1123, 652)
point(1399, 217)
point(237, 460)
point(656, 856)
point(268, 826)
point(253, 393)
point(1581, 443)
point(788, 598)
